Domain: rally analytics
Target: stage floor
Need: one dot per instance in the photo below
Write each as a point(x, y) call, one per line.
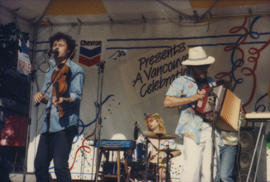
point(18, 177)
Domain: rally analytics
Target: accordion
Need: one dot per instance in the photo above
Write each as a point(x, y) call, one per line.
point(223, 103)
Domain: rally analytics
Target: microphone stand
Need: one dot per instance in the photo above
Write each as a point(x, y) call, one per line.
point(98, 125)
point(99, 111)
point(32, 76)
point(213, 136)
point(29, 121)
point(146, 152)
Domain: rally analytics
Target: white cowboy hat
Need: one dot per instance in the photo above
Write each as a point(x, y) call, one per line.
point(197, 57)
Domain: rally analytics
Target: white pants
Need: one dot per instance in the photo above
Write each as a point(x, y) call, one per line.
point(197, 157)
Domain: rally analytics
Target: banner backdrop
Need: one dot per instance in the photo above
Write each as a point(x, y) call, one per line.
point(141, 60)
point(152, 73)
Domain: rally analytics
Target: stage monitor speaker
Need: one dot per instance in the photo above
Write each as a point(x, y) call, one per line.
point(248, 137)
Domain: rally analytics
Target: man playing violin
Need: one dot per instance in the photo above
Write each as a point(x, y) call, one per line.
point(62, 91)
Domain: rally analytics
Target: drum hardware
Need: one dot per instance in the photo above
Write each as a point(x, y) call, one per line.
point(154, 136)
point(151, 167)
point(141, 169)
point(160, 136)
point(169, 155)
point(168, 150)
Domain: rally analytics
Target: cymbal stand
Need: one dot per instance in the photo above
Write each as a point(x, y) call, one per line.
point(157, 167)
point(167, 163)
point(147, 158)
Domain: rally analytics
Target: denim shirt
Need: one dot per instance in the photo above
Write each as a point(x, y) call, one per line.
point(72, 109)
point(189, 123)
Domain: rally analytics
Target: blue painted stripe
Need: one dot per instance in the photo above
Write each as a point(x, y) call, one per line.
point(182, 38)
point(226, 44)
point(142, 47)
point(203, 45)
point(174, 38)
point(158, 47)
point(90, 52)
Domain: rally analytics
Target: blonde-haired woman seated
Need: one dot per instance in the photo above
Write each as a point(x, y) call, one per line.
point(156, 139)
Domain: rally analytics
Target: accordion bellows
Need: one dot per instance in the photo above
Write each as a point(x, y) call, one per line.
point(228, 118)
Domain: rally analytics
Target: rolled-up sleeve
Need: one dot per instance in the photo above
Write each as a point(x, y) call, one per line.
point(76, 86)
point(175, 88)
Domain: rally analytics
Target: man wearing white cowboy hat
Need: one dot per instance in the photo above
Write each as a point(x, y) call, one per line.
point(183, 93)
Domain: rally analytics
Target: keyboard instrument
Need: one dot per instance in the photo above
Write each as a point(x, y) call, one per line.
point(257, 116)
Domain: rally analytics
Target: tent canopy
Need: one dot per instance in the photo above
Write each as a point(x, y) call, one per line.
point(108, 11)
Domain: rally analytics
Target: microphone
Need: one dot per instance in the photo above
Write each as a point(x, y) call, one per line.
point(212, 93)
point(220, 82)
point(123, 53)
point(136, 131)
point(53, 52)
point(117, 54)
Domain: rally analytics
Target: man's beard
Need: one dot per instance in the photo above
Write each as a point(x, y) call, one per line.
point(201, 81)
point(197, 77)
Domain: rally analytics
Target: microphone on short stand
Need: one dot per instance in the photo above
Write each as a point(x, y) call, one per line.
point(136, 131)
point(220, 82)
point(212, 93)
point(53, 52)
point(149, 155)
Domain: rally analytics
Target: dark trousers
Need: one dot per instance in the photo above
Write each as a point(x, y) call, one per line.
point(54, 146)
point(5, 168)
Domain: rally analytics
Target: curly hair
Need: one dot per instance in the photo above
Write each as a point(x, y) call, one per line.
point(70, 42)
point(159, 119)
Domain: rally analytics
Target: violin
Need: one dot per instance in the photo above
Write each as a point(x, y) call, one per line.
point(59, 80)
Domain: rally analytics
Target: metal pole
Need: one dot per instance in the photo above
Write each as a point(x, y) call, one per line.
point(35, 35)
point(254, 152)
point(99, 120)
point(213, 139)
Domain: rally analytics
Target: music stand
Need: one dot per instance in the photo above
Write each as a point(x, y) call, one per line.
point(263, 118)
